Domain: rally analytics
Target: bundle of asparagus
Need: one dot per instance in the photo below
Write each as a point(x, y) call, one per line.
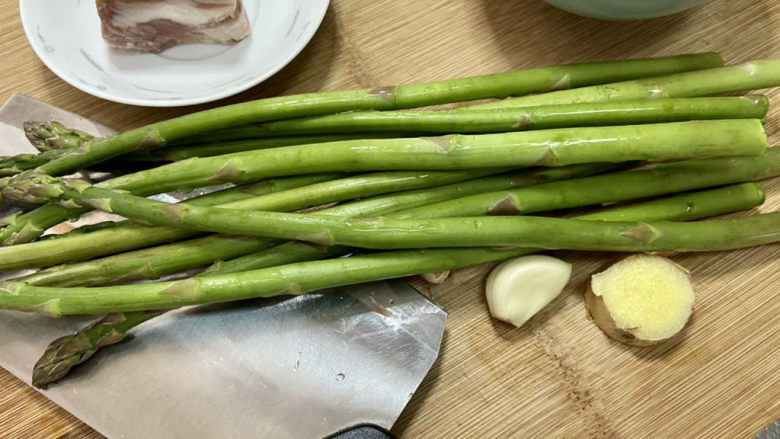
point(396, 191)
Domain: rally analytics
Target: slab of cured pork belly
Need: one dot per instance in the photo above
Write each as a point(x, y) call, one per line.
point(156, 25)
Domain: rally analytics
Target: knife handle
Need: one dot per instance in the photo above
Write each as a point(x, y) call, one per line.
point(364, 431)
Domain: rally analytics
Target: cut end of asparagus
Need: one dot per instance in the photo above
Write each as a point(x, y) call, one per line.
point(436, 277)
point(759, 100)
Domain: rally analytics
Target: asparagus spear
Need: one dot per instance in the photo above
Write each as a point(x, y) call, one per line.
point(375, 233)
point(65, 352)
point(235, 196)
point(291, 197)
point(683, 207)
point(647, 181)
point(117, 235)
point(12, 165)
point(53, 135)
point(300, 278)
point(57, 361)
point(80, 244)
point(666, 178)
point(155, 262)
point(21, 228)
point(52, 138)
point(223, 143)
point(515, 119)
point(748, 76)
point(686, 207)
point(555, 147)
point(376, 124)
point(383, 98)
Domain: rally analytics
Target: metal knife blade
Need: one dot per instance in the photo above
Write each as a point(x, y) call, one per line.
point(771, 432)
point(302, 367)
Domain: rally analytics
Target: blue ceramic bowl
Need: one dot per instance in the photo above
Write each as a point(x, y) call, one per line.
point(624, 9)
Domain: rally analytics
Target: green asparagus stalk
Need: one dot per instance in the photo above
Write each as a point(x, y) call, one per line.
point(154, 262)
point(748, 76)
point(118, 235)
point(52, 138)
point(686, 207)
point(66, 352)
point(647, 181)
point(380, 123)
point(549, 233)
point(384, 98)
point(69, 351)
point(150, 263)
point(291, 197)
point(555, 147)
point(517, 119)
point(683, 207)
point(53, 135)
point(224, 143)
point(300, 278)
point(13, 165)
point(236, 195)
point(379, 233)
point(127, 236)
point(22, 228)
point(374, 233)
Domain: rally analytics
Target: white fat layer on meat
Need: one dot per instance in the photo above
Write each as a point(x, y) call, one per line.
point(186, 12)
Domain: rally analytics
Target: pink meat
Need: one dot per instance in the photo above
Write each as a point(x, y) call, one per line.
point(156, 25)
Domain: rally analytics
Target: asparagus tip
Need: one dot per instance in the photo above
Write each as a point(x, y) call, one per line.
point(64, 353)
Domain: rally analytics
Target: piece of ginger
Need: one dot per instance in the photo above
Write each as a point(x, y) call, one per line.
point(641, 300)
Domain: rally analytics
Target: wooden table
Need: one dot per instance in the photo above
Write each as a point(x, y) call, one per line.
point(558, 377)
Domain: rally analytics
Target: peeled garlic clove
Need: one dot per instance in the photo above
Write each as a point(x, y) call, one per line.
point(519, 288)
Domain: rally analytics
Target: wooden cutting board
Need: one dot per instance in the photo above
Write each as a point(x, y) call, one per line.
point(558, 377)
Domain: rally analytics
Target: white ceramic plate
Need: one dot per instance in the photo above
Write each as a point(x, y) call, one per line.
point(65, 35)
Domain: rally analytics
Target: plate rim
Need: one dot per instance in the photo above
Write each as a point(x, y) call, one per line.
point(295, 50)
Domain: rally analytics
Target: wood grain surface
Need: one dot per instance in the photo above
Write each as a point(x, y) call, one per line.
point(558, 377)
